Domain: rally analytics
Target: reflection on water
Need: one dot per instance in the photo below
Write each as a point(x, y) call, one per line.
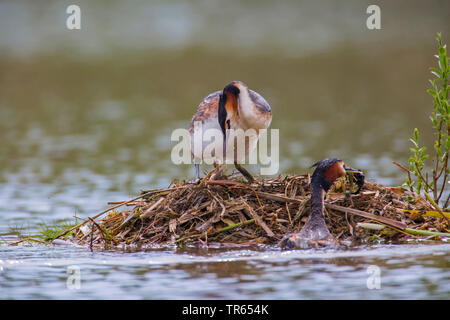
point(416, 272)
point(86, 118)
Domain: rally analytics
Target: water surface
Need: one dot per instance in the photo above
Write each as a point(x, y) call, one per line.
point(86, 118)
point(419, 272)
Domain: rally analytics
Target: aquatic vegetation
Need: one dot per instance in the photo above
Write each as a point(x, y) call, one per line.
point(50, 232)
point(47, 232)
point(418, 180)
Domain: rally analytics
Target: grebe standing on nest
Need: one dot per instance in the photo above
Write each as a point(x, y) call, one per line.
point(315, 232)
point(234, 107)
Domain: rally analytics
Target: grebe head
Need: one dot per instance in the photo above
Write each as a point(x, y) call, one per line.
point(327, 172)
point(228, 105)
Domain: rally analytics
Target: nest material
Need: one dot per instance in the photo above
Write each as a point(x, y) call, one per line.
point(232, 212)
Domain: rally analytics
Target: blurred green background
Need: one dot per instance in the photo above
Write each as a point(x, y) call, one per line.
point(94, 108)
point(86, 117)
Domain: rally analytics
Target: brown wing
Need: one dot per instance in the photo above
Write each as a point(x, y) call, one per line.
point(259, 102)
point(207, 109)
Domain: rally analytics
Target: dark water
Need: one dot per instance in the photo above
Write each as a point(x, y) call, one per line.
point(86, 118)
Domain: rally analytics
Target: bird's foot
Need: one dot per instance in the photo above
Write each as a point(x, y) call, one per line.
point(218, 175)
point(194, 181)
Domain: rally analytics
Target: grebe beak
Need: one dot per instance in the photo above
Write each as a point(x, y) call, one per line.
point(358, 175)
point(222, 117)
point(351, 170)
point(226, 126)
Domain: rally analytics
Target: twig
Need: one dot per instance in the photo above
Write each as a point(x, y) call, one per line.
point(301, 209)
point(228, 228)
point(234, 226)
point(279, 198)
point(378, 227)
point(387, 221)
point(260, 221)
point(447, 202)
point(26, 239)
point(99, 229)
point(115, 207)
point(424, 213)
point(287, 207)
point(91, 240)
point(407, 171)
point(445, 178)
point(426, 233)
point(425, 180)
point(434, 204)
point(237, 184)
point(148, 212)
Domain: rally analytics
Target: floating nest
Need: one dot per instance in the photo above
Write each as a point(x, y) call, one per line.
point(231, 212)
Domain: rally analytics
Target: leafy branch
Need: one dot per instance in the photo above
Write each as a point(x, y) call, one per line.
point(435, 182)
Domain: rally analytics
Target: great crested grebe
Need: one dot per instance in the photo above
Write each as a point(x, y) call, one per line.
point(234, 107)
point(315, 232)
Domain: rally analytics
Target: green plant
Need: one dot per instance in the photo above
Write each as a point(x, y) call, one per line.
point(435, 182)
point(50, 232)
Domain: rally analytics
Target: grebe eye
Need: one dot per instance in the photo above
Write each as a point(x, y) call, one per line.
point(228, 123)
